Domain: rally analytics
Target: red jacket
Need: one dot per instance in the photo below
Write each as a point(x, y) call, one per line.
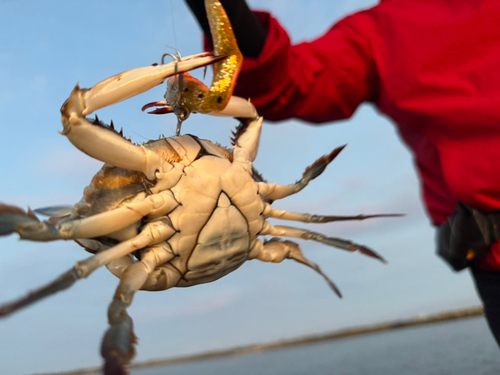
point(433, 66)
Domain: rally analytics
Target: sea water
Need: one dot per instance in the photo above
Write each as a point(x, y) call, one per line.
point(463, 347)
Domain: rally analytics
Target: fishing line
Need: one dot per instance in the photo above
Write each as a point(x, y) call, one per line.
point(173, 23)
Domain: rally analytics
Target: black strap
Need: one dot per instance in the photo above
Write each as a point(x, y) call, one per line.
point(249, 31)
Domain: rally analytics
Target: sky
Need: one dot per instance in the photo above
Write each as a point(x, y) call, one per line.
point(47, 47)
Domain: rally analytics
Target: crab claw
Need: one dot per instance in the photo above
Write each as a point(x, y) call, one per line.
point(26, 224)
point(320, 165)
point(164, 108)
point(237, 107)
point(104, 143)
point(246, 140)
point(133, 82)
point(13, 219)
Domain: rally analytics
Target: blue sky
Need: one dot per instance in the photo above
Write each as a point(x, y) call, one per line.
point(49, 46)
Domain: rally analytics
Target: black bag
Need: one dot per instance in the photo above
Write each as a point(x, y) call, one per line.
point(467, 236)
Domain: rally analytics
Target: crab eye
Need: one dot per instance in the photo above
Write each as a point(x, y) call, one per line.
point(200, 96)
point(185, 89)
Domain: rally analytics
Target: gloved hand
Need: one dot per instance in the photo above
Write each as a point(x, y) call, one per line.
point(248, 30)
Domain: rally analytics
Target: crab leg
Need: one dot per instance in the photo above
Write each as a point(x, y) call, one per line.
point(104, 144)
point(163, 277)
point(273, 191)
point(276, 250)
point(110, 147)
point(119, 218)
point(117, 345)
point(154, 232)
point(284, 231)
point(14, 219)
point(270, 211)
point(246, 142)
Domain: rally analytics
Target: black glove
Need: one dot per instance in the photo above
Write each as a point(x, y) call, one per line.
point(249, 31)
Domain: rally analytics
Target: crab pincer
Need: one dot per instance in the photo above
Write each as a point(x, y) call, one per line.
point(101, 142)
point(133, 82)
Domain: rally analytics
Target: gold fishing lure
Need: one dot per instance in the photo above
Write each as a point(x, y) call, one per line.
point(225, 72)
point(194, 95)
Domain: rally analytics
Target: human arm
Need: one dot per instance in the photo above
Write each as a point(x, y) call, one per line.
point(319, 81)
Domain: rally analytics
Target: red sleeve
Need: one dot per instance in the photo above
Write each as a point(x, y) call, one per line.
point(318, 81)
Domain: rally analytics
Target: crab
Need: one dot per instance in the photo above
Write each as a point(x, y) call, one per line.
point(172, 212)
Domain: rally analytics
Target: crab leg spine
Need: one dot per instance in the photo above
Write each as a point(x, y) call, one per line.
point(108, 146)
